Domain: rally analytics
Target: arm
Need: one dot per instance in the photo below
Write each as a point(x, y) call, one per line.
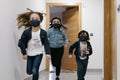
point(72, 47)
point(21, 43)
point(48, 34)
point(46, 44)
point(89, 50)
point(65, 37)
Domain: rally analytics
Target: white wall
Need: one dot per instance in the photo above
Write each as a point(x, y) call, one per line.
point(92, 21)
point(12, 65)
point(6, 42)
point(118, 42)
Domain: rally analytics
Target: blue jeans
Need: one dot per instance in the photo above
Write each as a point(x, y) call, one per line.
point(81, 68)
point(33, 63)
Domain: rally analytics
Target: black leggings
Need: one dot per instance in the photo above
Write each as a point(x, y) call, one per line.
point(56, 58)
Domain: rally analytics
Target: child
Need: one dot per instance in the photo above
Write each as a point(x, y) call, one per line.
point(58, 42)
point(83, 50)
point(32, 41)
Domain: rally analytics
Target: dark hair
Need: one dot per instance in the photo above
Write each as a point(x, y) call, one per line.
point(59, 20)
point(83, 31)
point(55, 18)
point(24, 18)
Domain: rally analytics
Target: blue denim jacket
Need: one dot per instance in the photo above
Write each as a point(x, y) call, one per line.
point(56, 38)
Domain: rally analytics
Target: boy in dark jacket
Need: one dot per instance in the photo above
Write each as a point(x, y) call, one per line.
point(83, 50)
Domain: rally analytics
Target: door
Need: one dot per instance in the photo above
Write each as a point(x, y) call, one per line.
point(70, 19)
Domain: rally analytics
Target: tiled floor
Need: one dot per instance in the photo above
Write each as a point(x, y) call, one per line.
point(91, 75)
point(70, 75)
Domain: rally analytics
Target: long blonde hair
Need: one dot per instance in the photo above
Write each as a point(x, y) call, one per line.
point(24, 18)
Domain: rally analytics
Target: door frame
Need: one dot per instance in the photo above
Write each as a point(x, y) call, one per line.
point(79, 5)
point(110, 40)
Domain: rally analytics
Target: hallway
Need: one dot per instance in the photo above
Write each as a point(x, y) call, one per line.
point(70, 75)
point(95, 13)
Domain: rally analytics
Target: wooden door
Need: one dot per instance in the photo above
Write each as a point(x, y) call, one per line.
point(70, 19)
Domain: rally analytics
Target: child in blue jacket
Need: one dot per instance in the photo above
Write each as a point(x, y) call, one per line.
point(58, 42)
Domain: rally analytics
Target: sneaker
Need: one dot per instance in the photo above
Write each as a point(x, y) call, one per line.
point(57, 78)
point(81, 79)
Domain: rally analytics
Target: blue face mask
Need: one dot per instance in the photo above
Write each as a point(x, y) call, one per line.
point(34, 23)
point(83, 38)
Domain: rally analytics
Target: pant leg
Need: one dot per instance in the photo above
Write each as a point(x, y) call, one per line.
point(59, 55)
point(81, 68)
point(36, 64)
point(85, 64)
point(53, 56)
point(29, 65)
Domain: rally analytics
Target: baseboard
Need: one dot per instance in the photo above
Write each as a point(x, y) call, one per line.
point(94, 70)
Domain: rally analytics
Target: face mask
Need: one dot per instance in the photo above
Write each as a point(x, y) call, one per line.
point(34, 23)
point(56, 25)
point(83, 38)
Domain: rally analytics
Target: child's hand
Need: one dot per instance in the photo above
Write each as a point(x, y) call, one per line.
point(87, 52)
point(70, 56)
point(65, 46)
point(24, 57)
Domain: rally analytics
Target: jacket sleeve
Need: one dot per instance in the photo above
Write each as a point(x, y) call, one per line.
point(65, 37)
point(46, 44)
point(90, 49)
point(21, 43)
point(72, 47)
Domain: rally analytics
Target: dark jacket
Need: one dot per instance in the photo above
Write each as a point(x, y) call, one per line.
point(27, 35)
point(76, 46)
